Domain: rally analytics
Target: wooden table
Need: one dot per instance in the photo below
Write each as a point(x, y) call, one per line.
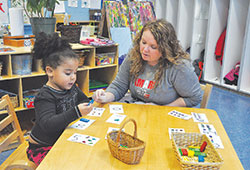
point(153, 123)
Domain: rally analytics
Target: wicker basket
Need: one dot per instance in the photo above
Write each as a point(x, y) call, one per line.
point(81, 57)
point(13, 97)
point(213, 161)
point(126, 148)
point(71, 32)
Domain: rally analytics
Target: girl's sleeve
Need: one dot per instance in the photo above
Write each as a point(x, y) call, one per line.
point(187, 85)
point(47, 118)
point(120, 85)
point(82, 98)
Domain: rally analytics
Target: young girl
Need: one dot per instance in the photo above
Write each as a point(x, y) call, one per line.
point(60, 101)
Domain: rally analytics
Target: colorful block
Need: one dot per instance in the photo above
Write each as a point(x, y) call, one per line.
point(190, 153)
point(197, 153)
point(200, 158)
point(203, 146)
point(180, 152)
point(194, 149)
point(184, 152)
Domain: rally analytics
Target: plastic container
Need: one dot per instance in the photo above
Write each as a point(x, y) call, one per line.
point(105, 58)
point(27, 29)
point(21, 64)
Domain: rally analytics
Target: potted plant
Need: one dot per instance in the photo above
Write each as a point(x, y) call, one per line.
point(40, 13)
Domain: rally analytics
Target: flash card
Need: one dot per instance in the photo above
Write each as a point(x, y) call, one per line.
point(215, 139)
point(89, 140)
point(206, 128)
point(111, 129)
point(82, 124)
point(85, 139)
point(116, 109)
point(116, 118)
point(96, 111)
point(179, 115)
point(175, 130)
point(199, 117)
point(76, 137)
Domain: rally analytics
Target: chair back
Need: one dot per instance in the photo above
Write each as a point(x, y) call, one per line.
point(206, 95)
point(9, 123)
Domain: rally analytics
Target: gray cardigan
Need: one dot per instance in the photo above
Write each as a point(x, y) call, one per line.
point(179, 81)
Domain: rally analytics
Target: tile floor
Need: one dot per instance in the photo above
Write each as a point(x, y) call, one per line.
point(234, 112)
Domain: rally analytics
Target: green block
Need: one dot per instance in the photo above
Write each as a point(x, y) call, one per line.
point(197, 153)
point(180, 152)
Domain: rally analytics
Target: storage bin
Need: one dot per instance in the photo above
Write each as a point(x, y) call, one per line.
point(27, 29)
point(13, 97)
point(21, 64)
point(105, 58)
point(82, 57)
point(71, 32)
point(29, 97)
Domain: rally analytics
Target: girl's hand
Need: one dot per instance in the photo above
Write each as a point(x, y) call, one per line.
point(85, 108)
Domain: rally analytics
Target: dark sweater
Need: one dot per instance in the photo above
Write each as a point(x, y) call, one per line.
point(54, 111)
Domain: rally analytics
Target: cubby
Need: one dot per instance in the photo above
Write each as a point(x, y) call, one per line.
point(19, 83)
point(199, 24)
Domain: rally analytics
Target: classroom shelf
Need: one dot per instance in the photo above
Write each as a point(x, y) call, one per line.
point(19, 83)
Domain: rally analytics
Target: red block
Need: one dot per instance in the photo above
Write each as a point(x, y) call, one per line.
point(203, 146)
point(184, 152)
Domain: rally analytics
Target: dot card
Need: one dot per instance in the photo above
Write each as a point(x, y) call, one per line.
point(116, 109)
point(82, 124)
point(76, 137)
point(207, 128)
point(180, 115)
point(89, 140)
point(84, 139)
point(96, 111)
point(215, 140)
point(199, 117)
point(175, 130)
point(116, 118)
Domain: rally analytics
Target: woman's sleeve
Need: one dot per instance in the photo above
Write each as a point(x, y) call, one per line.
point(186, 83)
point(120, 85)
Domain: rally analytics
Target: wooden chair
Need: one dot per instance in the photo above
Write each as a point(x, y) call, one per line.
point(207, 91)
point(18, 159)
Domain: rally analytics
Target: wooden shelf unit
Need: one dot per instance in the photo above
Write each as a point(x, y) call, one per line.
point(19, 83)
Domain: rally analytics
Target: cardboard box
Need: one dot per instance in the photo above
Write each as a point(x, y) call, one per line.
point(19, 41)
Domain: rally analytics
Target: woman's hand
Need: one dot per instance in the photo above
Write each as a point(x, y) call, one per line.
point(84, 108)
point(101, 96)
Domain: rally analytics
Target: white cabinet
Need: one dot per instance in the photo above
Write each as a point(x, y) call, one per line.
point(199, 24)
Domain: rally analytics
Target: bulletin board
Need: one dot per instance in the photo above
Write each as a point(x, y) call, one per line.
point(121, 22)
point(133, 15)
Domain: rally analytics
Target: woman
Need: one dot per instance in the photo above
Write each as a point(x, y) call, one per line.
point(157, 70)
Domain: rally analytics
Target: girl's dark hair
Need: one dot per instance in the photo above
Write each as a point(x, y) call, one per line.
point(52, 49)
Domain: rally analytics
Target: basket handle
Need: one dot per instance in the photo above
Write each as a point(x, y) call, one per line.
point(119, 132)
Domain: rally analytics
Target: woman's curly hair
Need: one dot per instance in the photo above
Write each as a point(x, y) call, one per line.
point(52, 49)
point(168, 45)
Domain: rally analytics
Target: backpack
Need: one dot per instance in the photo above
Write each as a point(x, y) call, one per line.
point(198, 65)
point(231, 77)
